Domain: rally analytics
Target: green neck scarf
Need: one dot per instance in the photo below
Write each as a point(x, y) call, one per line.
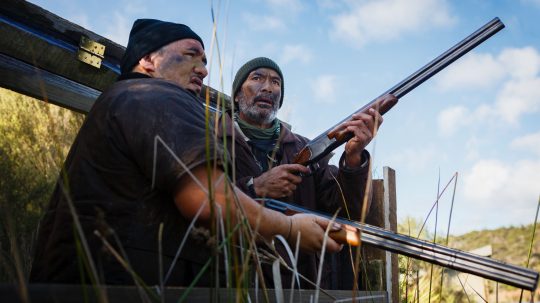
point(253, 132)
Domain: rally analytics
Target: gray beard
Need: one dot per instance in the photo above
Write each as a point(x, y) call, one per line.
point(255, 114)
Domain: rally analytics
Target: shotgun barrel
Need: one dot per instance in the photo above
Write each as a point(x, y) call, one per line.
point(423, 250)
point(326, 142)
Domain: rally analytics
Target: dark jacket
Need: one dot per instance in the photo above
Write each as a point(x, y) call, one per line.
point(121, 179)
point(319, 191)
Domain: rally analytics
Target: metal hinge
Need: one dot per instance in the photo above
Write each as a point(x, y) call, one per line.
point(91, 52)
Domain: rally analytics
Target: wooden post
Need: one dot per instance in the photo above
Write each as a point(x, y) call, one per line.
point(382, 266)
point(39, 58)
point(390, 223)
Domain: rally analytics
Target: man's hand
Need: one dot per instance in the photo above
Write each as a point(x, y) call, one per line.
point(312, 229)
point(190, 197)
point(279, 181)
point(363, 126)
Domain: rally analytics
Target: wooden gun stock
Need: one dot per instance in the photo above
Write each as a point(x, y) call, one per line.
point(353, 233)
point(326, 142)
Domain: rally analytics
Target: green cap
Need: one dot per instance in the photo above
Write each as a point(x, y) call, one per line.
point(253, 64)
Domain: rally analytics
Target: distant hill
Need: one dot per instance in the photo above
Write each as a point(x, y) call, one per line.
point(509, 244)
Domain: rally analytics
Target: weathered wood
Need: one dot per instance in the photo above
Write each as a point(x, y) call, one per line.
point(390, 223)
point(38, 37)
point(382, 265)
point(76, 293)
point(374, 258)
point(26, 79)
point(50, 43)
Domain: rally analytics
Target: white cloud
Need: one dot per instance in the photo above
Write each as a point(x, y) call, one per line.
point(263, 23)
point(485, 178)
point(484, 70)
point(473, 70)
point(293, 6)
point(82, 20)
point(132, 7)
point(451, 119)
point(276, 14)
point(533, 2)
point(119, 28)
point(384, 20)
point(521, 63)
point(518, 97)
point(513, 74)
point(324, 88)
point(530, 143)
point(296, 52)
point(416, 159)
point(508, 188)
point(472, 148)
point(328, 4)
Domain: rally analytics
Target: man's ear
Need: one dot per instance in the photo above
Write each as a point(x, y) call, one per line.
point(147, 64)
point(237, 95)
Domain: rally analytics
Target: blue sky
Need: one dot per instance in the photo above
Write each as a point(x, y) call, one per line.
point(480, 117)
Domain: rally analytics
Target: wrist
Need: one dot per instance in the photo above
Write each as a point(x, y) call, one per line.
point(353, 161)
point(290, 229)
point(353, 165)
point(251, 187)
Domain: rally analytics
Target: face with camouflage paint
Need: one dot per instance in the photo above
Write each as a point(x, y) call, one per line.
point(183, 62)
point(259, 96)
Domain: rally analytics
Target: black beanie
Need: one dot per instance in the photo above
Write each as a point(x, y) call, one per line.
point(243, 73)
point(148, 35)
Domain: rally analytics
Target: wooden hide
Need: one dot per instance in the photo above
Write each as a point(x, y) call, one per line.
point(38, 57)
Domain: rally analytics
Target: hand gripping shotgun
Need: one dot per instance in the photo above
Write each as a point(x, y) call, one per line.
point(354, 233)
point(329, 140)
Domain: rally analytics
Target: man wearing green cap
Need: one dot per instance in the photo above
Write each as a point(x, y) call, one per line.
point(136, 178)
point(264, 148)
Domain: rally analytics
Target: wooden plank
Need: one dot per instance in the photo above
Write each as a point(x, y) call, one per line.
point(24, 78)
point(49, 43)
point(382, 266)
point(373, 257)
point(76, 293)
point(38, 37)
point(390, 223)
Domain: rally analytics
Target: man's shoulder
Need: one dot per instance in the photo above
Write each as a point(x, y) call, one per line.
point(291, 137)
point(148, 86)
point(145, 92)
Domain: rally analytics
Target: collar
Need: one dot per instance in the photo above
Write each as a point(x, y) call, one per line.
point(286, 135)
point(132, 75)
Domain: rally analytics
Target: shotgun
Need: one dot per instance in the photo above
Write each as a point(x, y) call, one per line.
point(353, 233)
point(329, 140)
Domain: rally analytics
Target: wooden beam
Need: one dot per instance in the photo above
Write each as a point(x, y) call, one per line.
point(24, 78)
point(49, 43)
point(390, 223)
point(38, 37)
point(80, 293)
point(382, 266)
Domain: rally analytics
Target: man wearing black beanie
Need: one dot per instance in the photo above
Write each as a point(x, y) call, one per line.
point(136, 177)
point(267, 147)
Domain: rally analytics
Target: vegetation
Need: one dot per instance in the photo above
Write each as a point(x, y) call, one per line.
point(35, 139)
point(508, 244)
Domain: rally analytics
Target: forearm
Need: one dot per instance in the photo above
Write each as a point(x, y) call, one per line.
point(355, 183)
point(348, 192)
point(192, 195)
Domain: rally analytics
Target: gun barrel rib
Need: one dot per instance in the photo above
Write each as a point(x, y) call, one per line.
point(427, 251)
point(323, 145)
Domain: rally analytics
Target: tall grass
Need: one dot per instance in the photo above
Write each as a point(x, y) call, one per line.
point(36, 137)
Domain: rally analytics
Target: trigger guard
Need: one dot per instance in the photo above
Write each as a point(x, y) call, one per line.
point(312, 169)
